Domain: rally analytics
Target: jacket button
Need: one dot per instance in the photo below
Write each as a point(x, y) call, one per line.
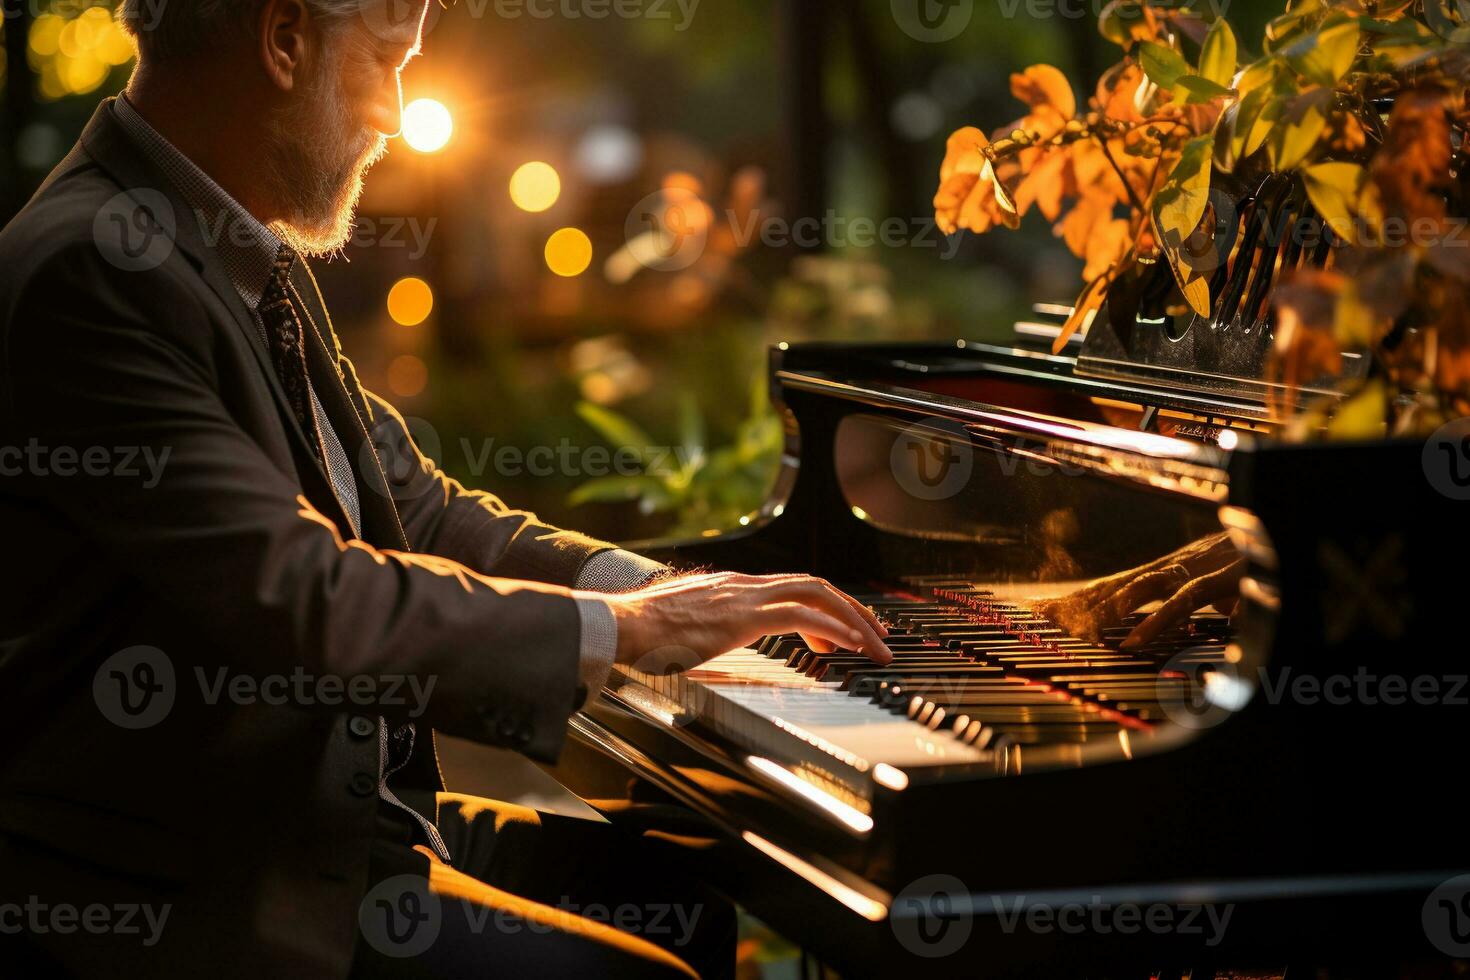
point(509, 728)
point(362, 726)
point(363, 784)
point(523, 737)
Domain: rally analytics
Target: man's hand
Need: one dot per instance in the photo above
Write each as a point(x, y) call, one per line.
point(708, 615)
point(1201, 573)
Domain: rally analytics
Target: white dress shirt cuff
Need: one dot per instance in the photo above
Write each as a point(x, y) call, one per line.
point(612, 571)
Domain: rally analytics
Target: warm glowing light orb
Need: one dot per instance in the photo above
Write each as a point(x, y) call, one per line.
point(427, 125)
point(569, 252)
point(410, 301)
point(535, 186)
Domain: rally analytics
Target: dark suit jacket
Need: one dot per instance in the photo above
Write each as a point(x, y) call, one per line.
point(252, 819)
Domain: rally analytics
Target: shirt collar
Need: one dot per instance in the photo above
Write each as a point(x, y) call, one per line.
point(247, 248)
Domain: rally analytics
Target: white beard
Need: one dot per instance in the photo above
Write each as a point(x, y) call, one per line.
point(317, 159)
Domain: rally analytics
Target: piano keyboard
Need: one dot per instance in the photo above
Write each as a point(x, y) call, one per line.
point(976, 680)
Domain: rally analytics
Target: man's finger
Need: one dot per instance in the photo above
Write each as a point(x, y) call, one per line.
point(1177, 609)
point(848, 632)
point(816, 593)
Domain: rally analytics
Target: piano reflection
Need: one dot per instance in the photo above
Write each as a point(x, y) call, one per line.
point(1108, 744)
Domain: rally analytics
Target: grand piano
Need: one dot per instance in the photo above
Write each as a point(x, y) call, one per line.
point(1280, 787)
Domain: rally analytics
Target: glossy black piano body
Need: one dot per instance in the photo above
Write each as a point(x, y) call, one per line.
point(1318, 825)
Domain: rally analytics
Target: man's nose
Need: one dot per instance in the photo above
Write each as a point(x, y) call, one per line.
point(387, 111)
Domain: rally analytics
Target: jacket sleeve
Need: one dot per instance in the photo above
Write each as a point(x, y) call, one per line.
point(443, 517)
point(95, 356)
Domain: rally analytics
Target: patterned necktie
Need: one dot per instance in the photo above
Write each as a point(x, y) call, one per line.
point(288, 348)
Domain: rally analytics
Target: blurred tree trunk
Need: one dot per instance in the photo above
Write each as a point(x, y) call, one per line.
point(894, 154)
point(802, 29)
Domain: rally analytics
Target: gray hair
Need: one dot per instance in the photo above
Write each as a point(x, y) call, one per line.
point(171, 29)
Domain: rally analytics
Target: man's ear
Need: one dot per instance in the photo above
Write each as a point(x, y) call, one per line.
point(285, 41)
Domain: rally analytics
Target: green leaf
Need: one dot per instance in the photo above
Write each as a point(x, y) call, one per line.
point(1300, 128)
point(1272, 109)
point(1162, 65)
point(1326, 56)
point(1283, 30)
point(617, 430)
point(1405, 28)
point(617, 489)
point(1198, 90)
point(692, 435)
point(1178, 208)
point(1180, 203)
point(1217, 56)
point(1257, 76)
point(1334, 189)
point(1247, 111)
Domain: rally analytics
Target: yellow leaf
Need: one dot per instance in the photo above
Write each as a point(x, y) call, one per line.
point(1043, 85)
point(1196, 292)
point(1084, 310)
point(1352, 320)
point(1256, 76)
point(1334, 189)
point(1326, 56)
point(1242, 119)
point(1363, 416)
point(1009, 213)
point(1180, 203)
point(1217, 56)
point(1300, 128)
point(1273, 107)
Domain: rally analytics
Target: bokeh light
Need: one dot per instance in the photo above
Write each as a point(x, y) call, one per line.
point(410, 301)
point(427, 125)
point(74, 56)
point(535, 186)
point(569, 252)
point(407, 376)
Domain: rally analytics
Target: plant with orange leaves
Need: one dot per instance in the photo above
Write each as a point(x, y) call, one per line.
point(1126, 178)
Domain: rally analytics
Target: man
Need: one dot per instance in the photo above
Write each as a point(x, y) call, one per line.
point(229, 561)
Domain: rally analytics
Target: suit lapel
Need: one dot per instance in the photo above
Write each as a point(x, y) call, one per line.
point(348, 414)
